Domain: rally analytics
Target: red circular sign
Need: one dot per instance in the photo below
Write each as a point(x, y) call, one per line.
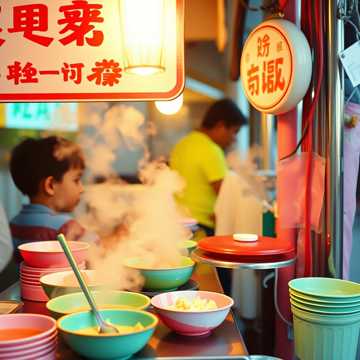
point(267, 67)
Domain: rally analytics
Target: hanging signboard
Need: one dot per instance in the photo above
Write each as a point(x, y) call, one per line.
point(79, 50)
point(276, 66)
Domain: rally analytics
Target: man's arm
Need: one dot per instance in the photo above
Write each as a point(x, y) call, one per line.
point(216, 185)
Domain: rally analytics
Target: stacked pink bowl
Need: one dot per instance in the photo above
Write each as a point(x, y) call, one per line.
point(27, 337)
point(45, 257)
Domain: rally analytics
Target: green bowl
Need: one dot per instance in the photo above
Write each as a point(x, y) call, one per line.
point(164, 278)
point(324, 303)
point(322, 310)
point(55, 284)
point(107, 346)
point(107, 299)
point(320, 287)
point(189, 245)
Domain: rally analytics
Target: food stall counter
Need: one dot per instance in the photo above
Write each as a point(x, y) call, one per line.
point(225, 342)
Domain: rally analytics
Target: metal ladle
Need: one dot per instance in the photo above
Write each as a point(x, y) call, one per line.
point(104, 327)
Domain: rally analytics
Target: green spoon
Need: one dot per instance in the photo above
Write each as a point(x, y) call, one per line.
point(104, 327)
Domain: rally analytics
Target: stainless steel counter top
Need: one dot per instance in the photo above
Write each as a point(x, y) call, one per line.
point(224, 343)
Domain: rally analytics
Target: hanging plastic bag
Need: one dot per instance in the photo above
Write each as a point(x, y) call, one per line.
point(292, 191)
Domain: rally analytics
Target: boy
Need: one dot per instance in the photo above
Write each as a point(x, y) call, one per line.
point(49, 172)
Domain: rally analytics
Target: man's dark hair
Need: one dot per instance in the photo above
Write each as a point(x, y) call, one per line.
point(226, 111)
point(35, 159)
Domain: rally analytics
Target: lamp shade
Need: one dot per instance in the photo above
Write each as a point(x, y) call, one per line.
point(143, 29)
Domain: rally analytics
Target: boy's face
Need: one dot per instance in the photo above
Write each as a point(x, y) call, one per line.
point(67, 191)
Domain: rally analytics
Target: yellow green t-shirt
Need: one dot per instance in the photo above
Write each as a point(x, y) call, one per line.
point(200, 161)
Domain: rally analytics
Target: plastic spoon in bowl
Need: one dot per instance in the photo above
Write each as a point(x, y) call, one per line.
point(104, 327)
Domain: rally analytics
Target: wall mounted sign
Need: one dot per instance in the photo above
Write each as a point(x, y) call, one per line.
point(41, 116)
point(74, 50)
point(276, 66)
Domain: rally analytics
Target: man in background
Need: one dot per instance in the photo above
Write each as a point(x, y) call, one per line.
point(200, 159)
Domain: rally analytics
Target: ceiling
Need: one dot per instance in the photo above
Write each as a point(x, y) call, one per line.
point(208, 30)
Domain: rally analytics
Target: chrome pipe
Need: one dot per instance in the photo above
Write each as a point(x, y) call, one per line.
point(335, 106)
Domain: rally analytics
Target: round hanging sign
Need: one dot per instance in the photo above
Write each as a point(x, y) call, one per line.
point(276, 66)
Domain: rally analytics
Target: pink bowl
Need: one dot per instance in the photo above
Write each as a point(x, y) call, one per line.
point(29, 282)
point(35, 271)
point(37, 355)
point(45, 324)
point(33, 292)
point(16, 353)
point(34, 277)
point(50, 339)
point(49, 254)
point(192, 323)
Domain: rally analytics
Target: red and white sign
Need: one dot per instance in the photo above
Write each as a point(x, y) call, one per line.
point(71, 50)
point(276, 66)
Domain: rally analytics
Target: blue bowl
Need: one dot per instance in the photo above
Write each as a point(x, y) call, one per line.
point(107, 346)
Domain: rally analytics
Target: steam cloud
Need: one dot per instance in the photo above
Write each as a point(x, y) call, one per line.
point(134, 221)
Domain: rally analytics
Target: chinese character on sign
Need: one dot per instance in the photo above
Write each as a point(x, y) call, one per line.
point(279, 46)
point(20, 110)
point(72, 72)
point(77, 20)
point(272, 78)
point(253, 79)
point(106, 73)
point(1, 40)
point(263, 46)
point(26, 74)
point(30, 18)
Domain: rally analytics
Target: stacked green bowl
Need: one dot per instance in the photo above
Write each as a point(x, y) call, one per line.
point(326, 314)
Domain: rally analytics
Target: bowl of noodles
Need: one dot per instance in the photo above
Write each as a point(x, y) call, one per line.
point(163, 276)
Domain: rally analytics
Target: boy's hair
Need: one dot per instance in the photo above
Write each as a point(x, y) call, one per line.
point(35, 159)
point(226, 111)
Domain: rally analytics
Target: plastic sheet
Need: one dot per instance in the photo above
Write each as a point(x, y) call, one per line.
point(292, 191)
point(351, 169)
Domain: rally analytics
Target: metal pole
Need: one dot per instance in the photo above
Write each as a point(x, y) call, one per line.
point(335, 105)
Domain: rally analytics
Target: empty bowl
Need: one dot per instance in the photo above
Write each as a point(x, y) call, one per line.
point(107, 346)
point(164, 278)
point(321, 287)
point(192, 323)
point(65, 282)
point(47, 254)
point(76, 302)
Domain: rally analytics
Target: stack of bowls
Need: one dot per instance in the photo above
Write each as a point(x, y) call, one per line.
point(45, 257)
point(326, 314)
point(27, 337)
point(30, 281)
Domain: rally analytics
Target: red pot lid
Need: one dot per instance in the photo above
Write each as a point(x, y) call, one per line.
point(264, 246)
point(248, 259)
